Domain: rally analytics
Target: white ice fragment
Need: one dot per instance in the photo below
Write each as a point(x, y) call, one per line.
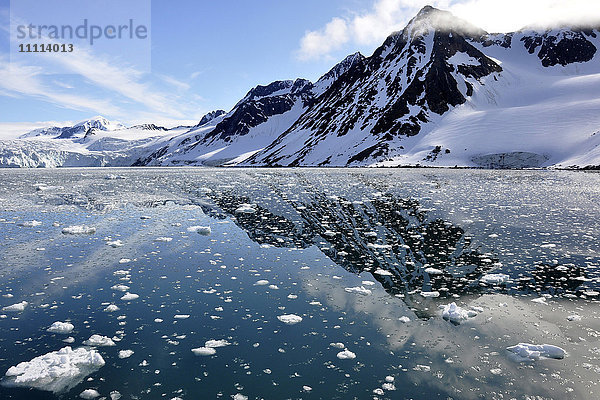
point(434, 271)
point(181, 316)
point(204, 351)
point(338, 345)
point(18, 307)
point(130, 296)
point(289, 319)
point(548, 246)
point(114, 243)
point(358, 290)
point(246, 209)
point(306, 388)
point(273, 287)
point(120, 287)
point(79, 230)
point(158, 320)
point(434, 293)
point(368, 283)
point(70, 339)
point(262, 282)
point(456, 314)
point(574, 317)
point(216, 343)
point(97, 340)
point(115, 395)
point(163, 239)
point(56, 371)
point(388, 386)
point(528, 351)
point(404, 319)
point(61, 327)
point(382, 272)
point(124, 260)
point(239, 396)
point(29, 224)
point(89, 394)
point(346, 355)
point(111, 308)
point(202, 230)
point(125, 353)
point(494, 279)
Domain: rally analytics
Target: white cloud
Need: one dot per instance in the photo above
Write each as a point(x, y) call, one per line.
point(370, 28)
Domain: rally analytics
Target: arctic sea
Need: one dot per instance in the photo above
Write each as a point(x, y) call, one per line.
point(194, 283)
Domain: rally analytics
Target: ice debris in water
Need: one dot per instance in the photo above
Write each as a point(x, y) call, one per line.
point(359, 290)
point(61, 327)
point(434, 271)
point(115, 395)
point(262, 282)
point(289, 319)
point(204, 351)
point(111, 308)
point(125, 353)
point(216, 343)
point(163, 239)
point(114, 243)
point(130, 296)
point(89, 394)
point(456, 314)
point(382, 272)
point(18, 307)
point(120, 287)
point(202, 230)
point(56, 371)
point(346, 355)
point(528, 351)
point(574, 317)
point(97, 340)
point(434, 293)
point(79, 230)
point(404, 319)
point(246, 209)
point(29, 224)
point(494, 279)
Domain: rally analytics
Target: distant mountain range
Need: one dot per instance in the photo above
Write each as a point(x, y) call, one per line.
point(441, 92)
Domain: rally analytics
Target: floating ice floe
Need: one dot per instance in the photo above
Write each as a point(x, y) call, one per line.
point(70, 339)
point(358, 290)
point(18, 307)
point(532, 352)
point(163, 239)
point(456, 314)
point(346, 355)
point(29, 224)
point(434, 293)
point(130, 296)
point(246, 209)
point(262, 282)
point(204, 351)
point(404, 319)
point(494, 279)
point(120, 287)
point(89, 394)
point(202, 230)
point(434, 271)
point(111, 308)
point(60, 327)
point(98, 340)
point(125, 353)
point(115, 395)
point(79, 230)
point(574, 317)
point(382, 272)
point(181, 316)
point(289, 319)
point(56, 371)
point(114, 243)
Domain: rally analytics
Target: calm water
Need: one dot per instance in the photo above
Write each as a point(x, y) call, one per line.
point(356, 254)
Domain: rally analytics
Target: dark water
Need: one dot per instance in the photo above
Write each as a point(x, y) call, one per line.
point(349, 251)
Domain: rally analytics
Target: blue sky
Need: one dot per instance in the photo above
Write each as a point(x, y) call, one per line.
point(207, 54)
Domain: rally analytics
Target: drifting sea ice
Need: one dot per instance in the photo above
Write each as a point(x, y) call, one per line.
point(29, 224)
point(204, 351)
point(111, 308)
point(532, 352)
point(163, 239)
point(130, 296)
point(97, 340)
point(79, 230)
point(359, 290)
point(246, 209)
point(60, 327)
point(202, 230)
point(289, 319)
point(56, 371)
point(456, 314)
point(18, 307)
point(216, 343)
point(494, 279)
point(346, 355)
point(114, 243)
point(125, 353)
point(89, 394)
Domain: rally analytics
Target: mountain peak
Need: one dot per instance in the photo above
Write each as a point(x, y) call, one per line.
point(432, 19)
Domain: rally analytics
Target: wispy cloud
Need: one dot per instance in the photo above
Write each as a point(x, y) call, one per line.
point(370, 28)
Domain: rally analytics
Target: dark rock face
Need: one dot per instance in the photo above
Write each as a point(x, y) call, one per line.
point(564, 47)
point(209, 117)
point(150, 127)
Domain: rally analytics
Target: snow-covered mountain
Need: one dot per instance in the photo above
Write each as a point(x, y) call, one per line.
point(441, 92)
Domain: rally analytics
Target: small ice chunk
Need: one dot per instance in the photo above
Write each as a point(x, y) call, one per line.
point(89, 394)
point(246, 209)
point(404, 319)
point(204, 351)
point(114, 243)
point(115, 395)
point(289, 319)
point(338, 345)
point(70, 339)
point(60, 327)
point(216, 343)
point(368, 283)
point(79, 230)
point(574, 317)
point(29, 224)
point(306, 388)
point(56, 371)
point(358, 290)
point(120, 287)
point(494, 279)
point(262, 282)
point(163, 239)
point(97, 340)
point(382, 272)
point(125, 353)
point(181, 316)
point(124, 260)
point(130, 296)
point(456, 314)
point(434, 271)
point(18, 307)
point(111, 308)
point(433, 293)
point(346, 355)
point(239, 396)
point(528, 351)
point(202, 230)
